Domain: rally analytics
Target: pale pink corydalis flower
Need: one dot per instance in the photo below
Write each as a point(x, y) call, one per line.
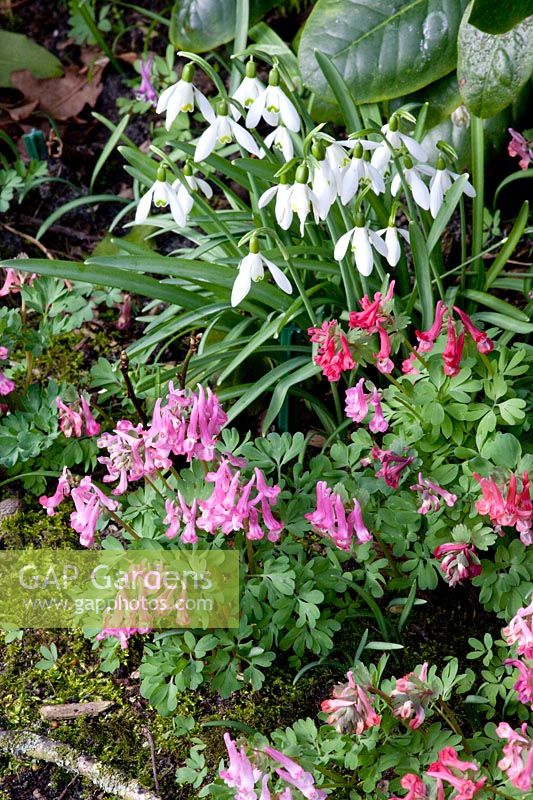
point(122, 634)
point(431, 494)
point(62, 491)
point(450, 769)
point(89, 502)
point(519, 631)
point(331, 520)
point(15, 279)
point(357, 407)
point(411, 696)
point(295, 775)
point(6, 384)
point(459, 562)
point(521, 148)
point(240, 774)
point(524, 683)
point(73, 418)
point(512, 510)
point(350, 709)
point(416, 788)
point(517, 759)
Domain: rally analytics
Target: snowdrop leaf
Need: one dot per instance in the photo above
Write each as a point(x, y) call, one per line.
point(493, 68)
point(381, 50)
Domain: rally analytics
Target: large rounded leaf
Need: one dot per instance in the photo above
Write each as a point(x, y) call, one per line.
point(492, 16)
point(201, 25)
point(493, 69)
point(382, 49)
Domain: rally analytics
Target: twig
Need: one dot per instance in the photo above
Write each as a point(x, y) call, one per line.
point(29, 745)
point(152, 756)
point(193, 347)
point(66, 789)
point(28, 238)
point(124, 365)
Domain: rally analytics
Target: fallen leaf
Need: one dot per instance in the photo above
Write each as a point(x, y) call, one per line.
point(64, 97)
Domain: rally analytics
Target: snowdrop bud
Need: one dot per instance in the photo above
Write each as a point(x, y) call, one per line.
point(251, 68)
point(187, 74)
point(460, 117)
point(302, 174)
point(273, 78)
point(393, 124)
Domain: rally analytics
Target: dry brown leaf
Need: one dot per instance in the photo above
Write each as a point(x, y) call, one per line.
point(64, 97)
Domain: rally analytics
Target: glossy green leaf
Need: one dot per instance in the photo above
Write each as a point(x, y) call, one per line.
point(423, 274)
point(493, 68)
point(202, 25)
point(496, 304)
point(506, 323)
point(264, 384)
point(19, 52)
point(280, 392)
point(512, 240)
point(492, 16)
point(341, 91)
point(381, 49)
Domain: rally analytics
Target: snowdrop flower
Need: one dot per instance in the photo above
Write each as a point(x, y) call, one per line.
point(273, 105)
point(382, 154)
point(282, 193)
point(248, 90)
point(162, 195)
point(337, 159)
point(182, 97)
point(362, 241)
point(302, 198)
point(418, 188)
point(251, 269)
point(223, 130)
point(279, 139)
point(360, 168)
point(441, 181)
point(185, 197)
point(322, 181)
point(394, 251)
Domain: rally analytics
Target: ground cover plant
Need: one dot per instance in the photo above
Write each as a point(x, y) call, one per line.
point(303, 337)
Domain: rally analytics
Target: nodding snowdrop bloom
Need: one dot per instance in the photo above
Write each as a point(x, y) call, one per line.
point(279, 139)
point(248, 90)
point(394, 251)
point(162, 195)
point(223, 130)
point(186, 197)
point(251, 269)
point(282, 193)
point(322, 181)
point(418, 188)
point(274, 106)
point(362, 240)
point(338, 160)
point(182, 97)
point(360, 168)
point(441, 181)
point(302, 197)
point(382, 154)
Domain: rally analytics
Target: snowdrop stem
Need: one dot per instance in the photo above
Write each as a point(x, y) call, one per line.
point(477, 144)
point(303, 294)
point(242, 18)
point(207, 68)
point(462, 213)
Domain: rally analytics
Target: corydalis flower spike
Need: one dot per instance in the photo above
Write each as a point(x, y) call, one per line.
point(483, 343)
point(334, 356)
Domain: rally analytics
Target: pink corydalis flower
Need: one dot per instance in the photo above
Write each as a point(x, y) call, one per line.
point(449, 768)
point(512, 510)
point(459, 562)
point(126, 459)
point(333, 354)
point(453, 351)
point(294, 774)
point(524, 684)
point(124, 317)
point(392, 465)
point(427, 338)
point(330, 518)
point(378, 423)
point(350, 709)
point(89, 502)
point(146, 91)
point(122, 634)
point(383, 361)
point(517, 759)
point(62, 491)
point(520, 147)
point(6, 384)
point(411, 696)
point(416, 788)
point(374, 312)
point(72, 419)
point(519, 631)
point(240, 773)
point(431, 494)
point(482, 341)
point(14, 280)
point(357, 407)
point(178, 513)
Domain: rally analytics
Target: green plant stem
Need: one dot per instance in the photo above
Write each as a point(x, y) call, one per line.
point(153, 485)
point(337, 401)
point(242, 21)
point(462, 214)
point(250, 557)
point(478, 181)
point(84, 12)
point(123, 524)
point(414, 350)
point(303, 294)
point(388, 555)
point(449, 717)
point(401, 400)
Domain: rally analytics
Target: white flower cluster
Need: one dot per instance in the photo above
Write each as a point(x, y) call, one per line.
point(334, 171)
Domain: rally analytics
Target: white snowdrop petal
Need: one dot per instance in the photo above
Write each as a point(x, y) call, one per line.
point(267, 196)
point(241, 287)
point(255, 111)
point(279, 277)
point(164, 99)
point(204, 105)
point(288, 113)
point(378, 243)
point(244, 137)
point(342, 245)
point(364, 257)
point(143, 209)
point(204, 187)
point(414, 147)
point(206, 143)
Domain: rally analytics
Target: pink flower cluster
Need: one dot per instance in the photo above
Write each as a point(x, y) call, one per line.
point(185, 424)
point(350, 709)
point(6, 384)
point(514, 510)
point(122, 634)
point(73, 418)
point(430, 494)
point(330, 518)
point(89, 502)
point(520, 632)
point(232, 506)
point(374, 316)
point(392, 465)
point(13, 281)
point(357, 405)
point(333, 355)
point(243, 774)
point(459, 562)
point(521, 148)
point(517, 759)
point(453, 350)
point(411, 696)
point(448, 771)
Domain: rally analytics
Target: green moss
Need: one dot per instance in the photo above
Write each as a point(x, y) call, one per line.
point(34, 528)
point(63, 361)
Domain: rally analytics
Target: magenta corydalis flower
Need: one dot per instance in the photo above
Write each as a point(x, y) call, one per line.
point(73, 418)
point(482, 341)
point(357, 407)
point(521, 148)
point(89, 502)
point(416, 788)
point(453, 351)
point(427, 338)
point(383, 361)
point(392, 465)
point(513, 509)
point(431, 494)
point(519, 631)
point(122, 634)
point(411, 697)
point(350, 709)
point(450, 769)
point(333, 354)
point(524, 684)
point(375, 313)
point(517, 759)
point(146, 91)
point(330, 518)
point(459, 562)
point(62, 491)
